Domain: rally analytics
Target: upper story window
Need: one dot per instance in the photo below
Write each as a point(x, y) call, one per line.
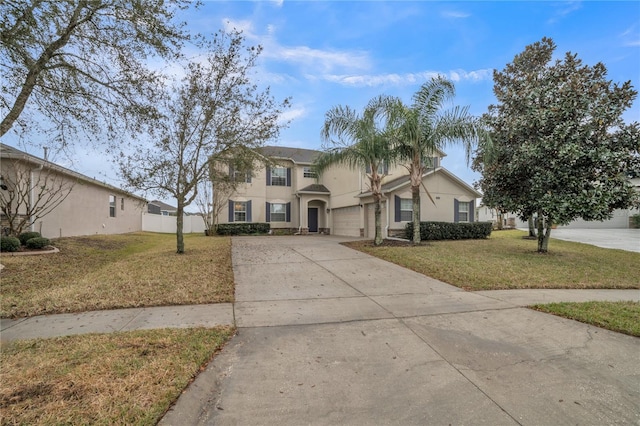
point(278, 176)
point(309, 172)
point(238, 175)
point(112, 206)
point(383, 168)
point(122, 204)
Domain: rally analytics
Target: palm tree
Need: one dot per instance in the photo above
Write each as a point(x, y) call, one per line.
point(424, 129)
point(359, 142)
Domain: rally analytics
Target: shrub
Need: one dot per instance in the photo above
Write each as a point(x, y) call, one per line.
point(450, 231)
point(9, 244)
point(38, 243)
point(26, 236)
point(243, 228)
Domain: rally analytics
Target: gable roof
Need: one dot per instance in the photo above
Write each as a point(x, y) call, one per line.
point(405, 180)
point(11, 153)
point(164, 206)
point(297, 155)
point(315, 187)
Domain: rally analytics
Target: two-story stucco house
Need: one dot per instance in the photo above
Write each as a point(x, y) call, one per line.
point(289, 196)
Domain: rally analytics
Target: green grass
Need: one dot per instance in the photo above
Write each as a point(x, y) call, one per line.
point(507, 261)
point(117, 271)
point(623, 317)
point(102, 379)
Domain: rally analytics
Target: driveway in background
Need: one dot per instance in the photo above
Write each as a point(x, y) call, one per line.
point(622, 239)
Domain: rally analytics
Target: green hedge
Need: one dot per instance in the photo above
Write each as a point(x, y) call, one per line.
point(26, 236)
point(9, 244)
point(243, 228)
point(38, 243)
point(450, 231)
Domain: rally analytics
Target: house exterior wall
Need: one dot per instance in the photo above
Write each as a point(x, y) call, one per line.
point(86, 208)
point(344, 211)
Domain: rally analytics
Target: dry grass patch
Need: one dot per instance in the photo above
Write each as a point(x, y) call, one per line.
point(507, 261)
point(102, 379)
point(118, 271)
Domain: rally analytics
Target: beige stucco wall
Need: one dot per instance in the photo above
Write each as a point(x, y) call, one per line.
point(85, 210)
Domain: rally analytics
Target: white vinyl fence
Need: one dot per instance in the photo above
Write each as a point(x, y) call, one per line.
point(167, 224)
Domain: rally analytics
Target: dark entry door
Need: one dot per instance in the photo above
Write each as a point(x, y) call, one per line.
point(312, 219)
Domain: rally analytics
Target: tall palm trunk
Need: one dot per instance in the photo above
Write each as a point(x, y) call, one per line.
point(377, 216)
point(415, 197)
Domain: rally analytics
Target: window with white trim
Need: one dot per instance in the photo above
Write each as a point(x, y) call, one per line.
point(240, 211)
point(112, 206)
point(309, 172)
point(278, 176)
point(463, 211)
point(406, 209)
point(278, 212)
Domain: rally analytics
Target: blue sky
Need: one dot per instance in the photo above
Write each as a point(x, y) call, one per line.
point(326, 53)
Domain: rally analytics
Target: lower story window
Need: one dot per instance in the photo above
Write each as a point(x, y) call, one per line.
point(278, 212)
point(240, 211)
point(406, 209)
point(112, 206)
point(463, 211)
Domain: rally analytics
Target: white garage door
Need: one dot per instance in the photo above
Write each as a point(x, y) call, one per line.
point(346, 221)
point(620, 220)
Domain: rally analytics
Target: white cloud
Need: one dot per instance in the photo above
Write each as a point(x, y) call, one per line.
point(406, 79)
point(292, 114)
point(322, 60)
point(245, 26)
point(565, 9)
point(277, 3)
point(455, 14)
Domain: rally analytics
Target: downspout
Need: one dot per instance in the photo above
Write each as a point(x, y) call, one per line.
point(299, 215)
point(32, 227)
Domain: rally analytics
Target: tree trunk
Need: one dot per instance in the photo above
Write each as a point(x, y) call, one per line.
point(378, 237)
point(179, 227)
point(415, 196)
point(544, 232)
point(499, 220)
point(532, 228)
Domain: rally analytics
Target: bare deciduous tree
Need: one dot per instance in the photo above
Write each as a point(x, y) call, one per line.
point(30, 194)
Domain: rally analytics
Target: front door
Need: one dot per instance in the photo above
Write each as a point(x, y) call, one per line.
point(312, 219)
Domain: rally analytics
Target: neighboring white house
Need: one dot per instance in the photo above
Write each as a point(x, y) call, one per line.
point(291, 197)
point(91, 207)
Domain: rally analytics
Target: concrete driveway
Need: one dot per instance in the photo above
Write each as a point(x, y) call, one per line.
point(621, 239)
point(328, 335)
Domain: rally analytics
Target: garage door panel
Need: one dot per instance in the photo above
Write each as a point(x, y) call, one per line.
point(346, 221)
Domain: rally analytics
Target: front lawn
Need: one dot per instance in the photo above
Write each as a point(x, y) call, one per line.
point(102, 379)
point(507, 261)
point(117, 271)
point(623, 317)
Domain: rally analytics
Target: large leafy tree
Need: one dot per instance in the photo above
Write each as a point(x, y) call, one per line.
point(214, 110)
point(559, 147)
point(361, 142)
point(427, 127)
point(81, 64)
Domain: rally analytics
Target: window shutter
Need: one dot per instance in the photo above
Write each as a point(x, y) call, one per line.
point(249, 211)
point(385, 168)
point(397, 207)
point(248, 177)
point(367, 168)
point(456, 213)
point(288, 213)
point(288, 176)
point(472, 216)
point(230, 211)
point(268, 176)
point(231, 171)
point(268, 212)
